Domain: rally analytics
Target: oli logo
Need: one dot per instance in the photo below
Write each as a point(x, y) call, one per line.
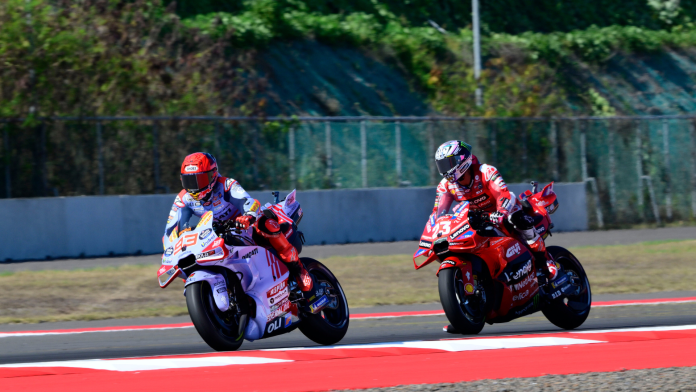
point(275, 325)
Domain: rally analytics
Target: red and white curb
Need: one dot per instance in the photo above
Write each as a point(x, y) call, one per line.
point(360, 316)
point(371, 365)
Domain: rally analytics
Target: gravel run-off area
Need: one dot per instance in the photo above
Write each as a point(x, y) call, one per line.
point(668, 379)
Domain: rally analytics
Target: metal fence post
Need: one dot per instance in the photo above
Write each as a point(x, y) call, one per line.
point(363, 150)
point(693, 168)
point(291, 154)
point(668, 181)
point(583, 151)
point(329, 162)
point(8, 182)
point(397, 137)
point(155, 155)
point(639, 166)
point(612, 168)
point(44, 171)
point(494, 143)
point(525, 164)
point(554, 150)
point(100, 157)
point(431, 152)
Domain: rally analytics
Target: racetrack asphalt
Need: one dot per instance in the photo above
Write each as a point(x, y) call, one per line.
point(102, 345)
point(568, 239)
point(22, 349)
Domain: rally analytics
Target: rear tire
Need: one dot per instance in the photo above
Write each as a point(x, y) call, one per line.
point(331, 324)
point(454, 302)
point(221, 331)
point(570, 311)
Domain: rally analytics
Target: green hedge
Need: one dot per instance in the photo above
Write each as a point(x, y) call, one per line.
point(501, 16)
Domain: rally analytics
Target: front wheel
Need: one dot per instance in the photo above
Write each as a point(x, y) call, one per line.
point(223, 331)
point(570, 310)
point(331, 324)
point(465, 312)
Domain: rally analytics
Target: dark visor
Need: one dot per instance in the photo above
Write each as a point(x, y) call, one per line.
point(446, 164)
point(198, 181)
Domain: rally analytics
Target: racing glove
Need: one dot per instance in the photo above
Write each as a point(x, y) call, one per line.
point(496, 217)
point(244, 222)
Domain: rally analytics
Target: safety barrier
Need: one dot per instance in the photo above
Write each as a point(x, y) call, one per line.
point(87, 226)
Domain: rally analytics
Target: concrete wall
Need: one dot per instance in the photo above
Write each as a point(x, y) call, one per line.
point(101, 225)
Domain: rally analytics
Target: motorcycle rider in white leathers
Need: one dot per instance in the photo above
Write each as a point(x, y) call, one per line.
point(205, 190)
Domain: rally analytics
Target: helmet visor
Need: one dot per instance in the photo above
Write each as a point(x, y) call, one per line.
point(444, 165)
point(194, 183)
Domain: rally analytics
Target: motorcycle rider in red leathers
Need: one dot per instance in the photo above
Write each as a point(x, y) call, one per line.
point(205, 190)
point(466, 179)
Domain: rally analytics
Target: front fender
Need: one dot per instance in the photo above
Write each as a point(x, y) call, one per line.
point(218, 286)
point(467, 271)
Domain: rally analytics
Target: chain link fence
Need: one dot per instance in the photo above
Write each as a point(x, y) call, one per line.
point(638, 169)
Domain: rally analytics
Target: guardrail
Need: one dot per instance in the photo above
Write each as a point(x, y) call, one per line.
point(88, 226)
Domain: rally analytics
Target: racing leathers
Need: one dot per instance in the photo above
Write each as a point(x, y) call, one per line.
point(488, 192)
point(229, 201)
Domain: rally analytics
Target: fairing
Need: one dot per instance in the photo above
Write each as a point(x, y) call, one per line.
point(263, 276)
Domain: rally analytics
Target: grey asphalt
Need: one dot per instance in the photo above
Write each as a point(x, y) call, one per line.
point(569, 239)
point(186, 341)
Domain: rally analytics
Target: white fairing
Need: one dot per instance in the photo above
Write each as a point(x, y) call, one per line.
point(263, 276)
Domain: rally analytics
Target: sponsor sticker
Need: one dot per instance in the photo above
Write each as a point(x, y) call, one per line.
point(524, 283)
point(275, 325)
point(205, 233)
point(248, 255)
point(521, 272)
point(278, 293)
point(460, 231)
point(206, 218)
point(278, 310)
point(169, 251)
point(288, 320)
point(559, 282)
point(206, 254)
point(425, 244)
point(469, 288)
point(191, 168)
point(504, 202)
point(321, 302)
point(513, 250)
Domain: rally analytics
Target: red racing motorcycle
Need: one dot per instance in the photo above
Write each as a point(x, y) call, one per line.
point(488, 274)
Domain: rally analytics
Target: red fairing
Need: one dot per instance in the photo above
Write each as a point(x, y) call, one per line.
point(506, 257)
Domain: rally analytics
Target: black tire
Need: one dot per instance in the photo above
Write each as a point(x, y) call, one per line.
point(331, 324)
point(570, 311)
point(466, 316)
point(222, 331)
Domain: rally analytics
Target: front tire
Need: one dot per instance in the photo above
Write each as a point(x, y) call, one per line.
point(222, 331)
point(570, 311)
point(466, 314)
point(331, 324)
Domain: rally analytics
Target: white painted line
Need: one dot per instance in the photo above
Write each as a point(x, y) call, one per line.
point(130, 365)
point(49, 333)
point(641, 329)
point(455, 345)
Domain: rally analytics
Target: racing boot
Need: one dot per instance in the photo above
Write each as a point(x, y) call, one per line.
point(270, 229)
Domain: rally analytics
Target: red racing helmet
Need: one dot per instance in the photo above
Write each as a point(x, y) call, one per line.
point(199, 172)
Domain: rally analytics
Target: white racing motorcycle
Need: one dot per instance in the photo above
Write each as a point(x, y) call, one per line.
point(244, 291)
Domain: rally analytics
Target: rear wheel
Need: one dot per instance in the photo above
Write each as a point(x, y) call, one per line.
point(223, 331)
point(331, 324)
point(570, 311)
point(466, 313)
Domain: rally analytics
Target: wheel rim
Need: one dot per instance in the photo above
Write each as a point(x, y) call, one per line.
point(580, 298)
point(335, 313)
point(471, 305)
point(227, 323)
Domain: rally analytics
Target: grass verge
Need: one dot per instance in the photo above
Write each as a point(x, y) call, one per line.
point(132, 291)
